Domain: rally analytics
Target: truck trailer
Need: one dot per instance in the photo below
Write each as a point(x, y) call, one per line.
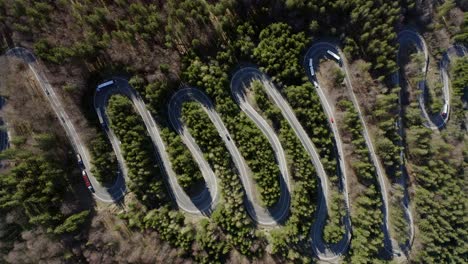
point(334, 55)
point(87, 182)
point(445, 110)
point(104, 85)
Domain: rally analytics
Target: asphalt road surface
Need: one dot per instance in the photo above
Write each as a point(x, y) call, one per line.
point(325, 252)
point(261, 215)
point(105, 194)
point(317, 52)
point(203, 203)
point(409, 37)
point(239, 82)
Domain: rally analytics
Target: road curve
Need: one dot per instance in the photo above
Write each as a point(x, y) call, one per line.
point(323, 251)
point(106, 194)
point(317, 51)
point(259, 214)
point(412, 37)
point(453, 51)
point(202, 204)
point(239, 82)
point(436, 121)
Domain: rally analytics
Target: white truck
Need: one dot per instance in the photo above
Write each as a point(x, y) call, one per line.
point(80, 160)
point(104, 84)
point(334, 55)
point(315, 84)
point(445, 110)
point(311, 67)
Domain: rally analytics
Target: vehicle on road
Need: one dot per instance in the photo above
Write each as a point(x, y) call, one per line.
point(101, 120)
point(80, 160)
point(334, 55)
point(87, 182)
point(104, 85)
point(315, 84)
point(228, 137)
point(311, 67)
point(445, 110)
point(312, 72)
point(331, 120)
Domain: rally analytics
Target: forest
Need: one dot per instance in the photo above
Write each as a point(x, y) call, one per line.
point(161, 46)
point(103, 160)
point(304, 197)
point(145, 176)
point(39, 195)
point(366, 216)
point(231, 215)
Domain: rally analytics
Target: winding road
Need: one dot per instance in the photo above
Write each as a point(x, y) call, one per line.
point(323, 251)
point(261, 215)
point(105, 194)
point(317, 52)
point(203, 203)
point(411, 37)
point(239, 82)
point(206, 201)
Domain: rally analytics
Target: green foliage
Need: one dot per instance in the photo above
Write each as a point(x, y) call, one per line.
point(287, 241)
point(164, 68)
point(352, 126)
point(184, 19)
point(459, 80)
point(308, 109)
point(339, 77)
point(387, 138)
point(35, 188)
point(367, 216)
point(138, 83)
point(230, 215)
point(365, 27)
point(440, 200)
point(244, 40)
point(185, 167)
point(35, 185)
point(400, 225)
point(145, 177)
point(104, 162)
point(252, 143)
point(367, 30)
point(210, 238)
point(72, 223)
point(462, 35)
point(334, 229)
point(157, 94)
point(367, 225)
point(279, 50)
point(373, 25)
point(171, 227)
point(443, 9)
